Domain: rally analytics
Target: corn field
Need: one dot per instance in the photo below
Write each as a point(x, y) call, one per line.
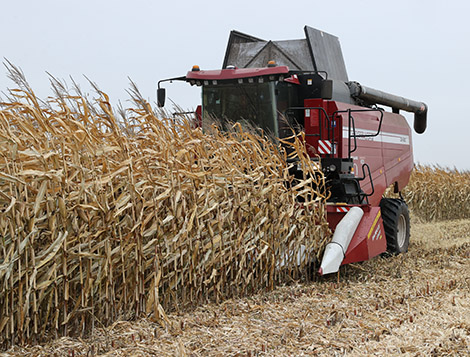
point(435, 193)
point(109, 216)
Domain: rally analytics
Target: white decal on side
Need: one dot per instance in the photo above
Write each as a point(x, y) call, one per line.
point(384, 137)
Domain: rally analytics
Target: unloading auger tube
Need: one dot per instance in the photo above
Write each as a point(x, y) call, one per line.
point(374, 96)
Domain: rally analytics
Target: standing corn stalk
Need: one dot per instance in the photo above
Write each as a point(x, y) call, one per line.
point(435, 193)
point(103, 219)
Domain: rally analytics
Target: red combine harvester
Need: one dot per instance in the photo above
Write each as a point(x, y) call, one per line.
point(362, 148)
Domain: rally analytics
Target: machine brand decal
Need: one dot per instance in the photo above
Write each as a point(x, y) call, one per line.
point(324, 147)
point(373, 226)
point(384, 137)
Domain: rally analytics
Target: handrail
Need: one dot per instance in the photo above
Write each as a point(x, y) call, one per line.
point(367, 195)
point(351, 124)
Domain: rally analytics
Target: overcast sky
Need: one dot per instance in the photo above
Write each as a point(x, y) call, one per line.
point(416, 49)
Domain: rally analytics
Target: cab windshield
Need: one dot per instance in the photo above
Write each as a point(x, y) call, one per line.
point(251, 104)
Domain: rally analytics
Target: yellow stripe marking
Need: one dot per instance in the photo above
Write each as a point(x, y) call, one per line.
point(373, 225)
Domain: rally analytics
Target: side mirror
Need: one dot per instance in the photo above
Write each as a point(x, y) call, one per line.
point(161, 97)
point(420, 120)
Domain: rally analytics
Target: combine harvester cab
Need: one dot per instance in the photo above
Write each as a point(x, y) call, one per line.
point(362, 149)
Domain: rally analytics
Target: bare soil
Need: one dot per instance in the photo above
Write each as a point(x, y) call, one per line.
point(415, 304)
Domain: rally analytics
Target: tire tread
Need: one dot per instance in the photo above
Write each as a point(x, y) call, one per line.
point(391, 209)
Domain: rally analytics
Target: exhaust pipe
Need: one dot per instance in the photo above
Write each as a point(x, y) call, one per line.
point(374, 96)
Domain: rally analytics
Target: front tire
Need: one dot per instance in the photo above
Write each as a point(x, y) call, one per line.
point(396, 219)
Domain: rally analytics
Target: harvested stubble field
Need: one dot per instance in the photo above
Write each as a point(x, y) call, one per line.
point(144, 237)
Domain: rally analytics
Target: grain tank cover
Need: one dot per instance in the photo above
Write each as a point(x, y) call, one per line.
point(319, 51)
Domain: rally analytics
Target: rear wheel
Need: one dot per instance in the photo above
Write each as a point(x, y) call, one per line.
point(396, 220)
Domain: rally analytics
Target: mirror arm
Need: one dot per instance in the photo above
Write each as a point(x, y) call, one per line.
point(171, 79)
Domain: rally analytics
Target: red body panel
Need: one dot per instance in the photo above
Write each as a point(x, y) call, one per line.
point(389, 154)
point(368, 240)
point(222, 74)
point(199, 116)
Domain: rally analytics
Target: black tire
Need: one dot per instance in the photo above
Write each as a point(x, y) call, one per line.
point(396, 218)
